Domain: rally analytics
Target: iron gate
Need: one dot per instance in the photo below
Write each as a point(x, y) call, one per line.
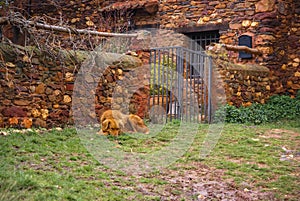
point(180, 85)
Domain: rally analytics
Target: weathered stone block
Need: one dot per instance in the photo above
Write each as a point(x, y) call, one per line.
point(265, 6)
point(14, 111)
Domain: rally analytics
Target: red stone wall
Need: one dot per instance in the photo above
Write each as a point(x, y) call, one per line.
point(38, 91)
point(274, 26)
point(41, 91)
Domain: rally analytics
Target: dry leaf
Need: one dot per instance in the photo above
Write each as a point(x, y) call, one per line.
point(26, 59)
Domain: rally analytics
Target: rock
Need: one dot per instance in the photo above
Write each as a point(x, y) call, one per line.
point(56, 106)
point(67, 99)
point(281, 8)
point(45, 113)
point(295, 86)
point(265, 6)
point(235, 26)
point(35, 113)
point(69, 77)
point(52, 98)
point(270, 22)
point(6, 102)
point(246, 23)
point(40, 89)
point(21, 102)
point(254, 24)
point(69, 87)
point(27, 123)
point(14, 111)
point(262, 16)
point(48, 91)
point(283, 67)
point(40, 123)
point(266, 50)
point(56, 92)
point(13, 121)
point(261, 39)
point(220, 6)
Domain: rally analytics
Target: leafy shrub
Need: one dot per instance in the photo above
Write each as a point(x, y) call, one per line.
point(277, 108)
point(162, 72)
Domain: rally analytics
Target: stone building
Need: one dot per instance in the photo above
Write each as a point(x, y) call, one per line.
point(272, 26)
point(269, 26)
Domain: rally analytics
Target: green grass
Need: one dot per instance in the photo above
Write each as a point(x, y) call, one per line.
point(54, 165)
point(249, 156)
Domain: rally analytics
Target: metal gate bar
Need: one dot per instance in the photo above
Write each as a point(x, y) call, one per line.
point(180, 84)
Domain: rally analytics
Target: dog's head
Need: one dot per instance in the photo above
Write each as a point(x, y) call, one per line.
point(111, 126)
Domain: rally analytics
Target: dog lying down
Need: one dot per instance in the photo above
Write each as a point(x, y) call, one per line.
point(114, 122)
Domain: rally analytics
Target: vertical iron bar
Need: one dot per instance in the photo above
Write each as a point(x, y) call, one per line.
point(150, 98)
point(181, 84)
point(162, 78)
point(176, 83)
point(178, 55)
point(192, 89)
point(202, 91)
point(167, 83)
point(200, 84)
point(209, 89)
point(155, 82)
point(158, 79)
point(191, 94)
point(195, 87)
point(184, 90)
point(172, 86)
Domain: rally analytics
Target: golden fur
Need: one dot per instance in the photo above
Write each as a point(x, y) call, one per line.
point(114, 122)
point(110, 127)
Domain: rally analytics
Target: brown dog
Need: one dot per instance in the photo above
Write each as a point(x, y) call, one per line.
point(114, 122)
point(110, 126)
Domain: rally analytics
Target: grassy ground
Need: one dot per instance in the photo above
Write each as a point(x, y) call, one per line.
point(248, 163)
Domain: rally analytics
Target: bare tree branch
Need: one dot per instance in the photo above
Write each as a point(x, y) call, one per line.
point(242, 48)
point(5, 20)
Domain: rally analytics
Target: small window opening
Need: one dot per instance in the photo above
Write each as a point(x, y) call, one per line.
point(245, 40)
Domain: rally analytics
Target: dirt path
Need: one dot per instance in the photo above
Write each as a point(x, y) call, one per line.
point(199, 183)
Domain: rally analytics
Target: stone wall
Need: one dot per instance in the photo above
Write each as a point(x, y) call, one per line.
point(239, 84)
point(37, 89)
point(274, 26)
